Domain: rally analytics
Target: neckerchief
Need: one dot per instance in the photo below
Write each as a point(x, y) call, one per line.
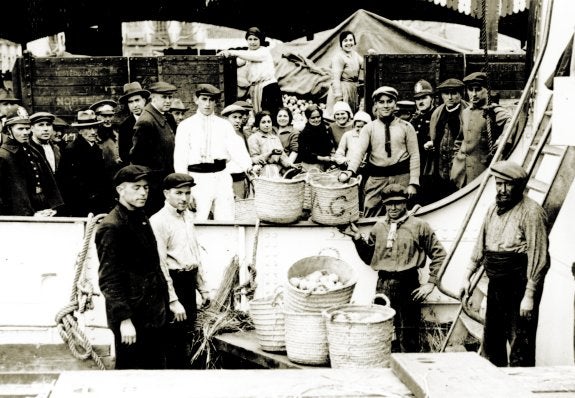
point(393, 226)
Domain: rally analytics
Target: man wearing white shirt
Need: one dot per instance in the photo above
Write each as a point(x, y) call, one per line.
point(235, 115)
point(204, 144)
point(41, 127)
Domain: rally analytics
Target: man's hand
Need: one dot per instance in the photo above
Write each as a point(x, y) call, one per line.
point(344, 176)
point(422, 292)
point(205, 300)
point(526, 306)
point(128, 332)
point(178, 310)
point(352, 230)
point(428, 146)
point(45, 213)
point(411, 191)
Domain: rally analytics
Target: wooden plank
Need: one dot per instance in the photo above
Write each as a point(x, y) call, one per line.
point(277, 383)
point(546, 380)
point(455, 374)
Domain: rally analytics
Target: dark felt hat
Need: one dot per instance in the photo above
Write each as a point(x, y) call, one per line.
point(86, 118)
point(508, 171)
point(162, 88)
point(5, 96)
point(393, 193)
point(450, 84)
point(42, 117)
point(207, 89)
point(476, 78)
point(385, 90)
point(131, 89)
point(178, 180)
point(131, 173)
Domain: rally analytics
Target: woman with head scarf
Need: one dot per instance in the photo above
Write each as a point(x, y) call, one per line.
point(316, 143)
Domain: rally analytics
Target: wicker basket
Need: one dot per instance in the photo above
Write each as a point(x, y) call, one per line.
point(268, 317)
point(307, 187)
point(299, 300)
point(333, 202)
point(245, 210)
point(278, 200)
point(306, 338)
point(359, 336)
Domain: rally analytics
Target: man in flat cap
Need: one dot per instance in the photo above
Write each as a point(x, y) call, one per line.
point(153, 142)
point(180, 257)
point(397, 246)
point(135, 99)
point(105, 111)
point(205, 143)
point(42, 131)
point(241, 185)
point(444, 131)
point(27, 184)
point(392, 153)
point(481, 126)
point(131, 277)
point(178, 110)
point(512, 247)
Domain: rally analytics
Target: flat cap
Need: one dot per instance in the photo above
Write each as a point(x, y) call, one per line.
point(406, 104)
point(393, 193)
point(233, 108)
point(207, 89)
point(244, 104)
point(450, 84)
point(131, 89)
point(131, 173)
point(508, 170)
point(86, 118)
point(477, 78)
point(104, 107)
point(422, 88)
point(385, 90)
point(178, 105)
point(178, 180)
point(42, 117)
point(162, 88)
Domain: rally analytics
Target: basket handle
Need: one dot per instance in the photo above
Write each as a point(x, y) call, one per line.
point(278, 296)
point(384, 298)
point(338, 255)
point(342, 313)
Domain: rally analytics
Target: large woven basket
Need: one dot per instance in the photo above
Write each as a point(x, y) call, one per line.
point(278, 200)
point(306, 338)
point(245, 210)
point(268, 317)
point(299, 300)
point(307, 187)
point(333, 202)
point(359, 336)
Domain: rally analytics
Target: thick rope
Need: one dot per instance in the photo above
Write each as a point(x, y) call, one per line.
point(486, 68)
point(80, 300)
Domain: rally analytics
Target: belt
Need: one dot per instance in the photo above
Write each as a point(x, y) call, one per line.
point(217, 165)
point(238, 176)
point(397, 274)
point(388, 171)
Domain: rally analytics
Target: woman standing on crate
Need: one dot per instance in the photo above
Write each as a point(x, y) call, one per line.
point(264, 88)
point(316, 144)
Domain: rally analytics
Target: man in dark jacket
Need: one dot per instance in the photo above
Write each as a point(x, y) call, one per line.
point(27, 185)
point(82, 174)
point(153, 142)
point(130, 275)
point(135, 98)
point(41, 127)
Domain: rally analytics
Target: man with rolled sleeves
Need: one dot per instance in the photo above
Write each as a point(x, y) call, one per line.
point(153, 143)
point(392, 153)
point(481, 126)
point(205, 143)
point(398, 245)
point(27, 184)
point(512, 247)
point(42, 131)
point(131, 277)
point(135, 98)
point(181, 262)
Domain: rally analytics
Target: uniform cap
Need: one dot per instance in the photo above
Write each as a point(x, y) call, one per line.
point(162, 88)
point(131, 173)
point(131, 89)
point(178, 105)
point(385, 90)
point(405, 104)
point(393, 193)
point(178, 180)
point(19, 116)
point(341, 106)
point(508, 171)
point(476, 78)
point(104, 107)
point(362, 116)
point(207, 89)
point(422, 88)
point(42, 116)
point(86, 118)
point(450, 84)
point(228, 110)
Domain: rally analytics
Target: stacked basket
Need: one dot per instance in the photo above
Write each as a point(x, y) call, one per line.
point(278, 200)
point(333, 202)
point(267, 315)
point(305, 328)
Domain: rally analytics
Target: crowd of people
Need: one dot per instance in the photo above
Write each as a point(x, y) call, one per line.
point(150, 171)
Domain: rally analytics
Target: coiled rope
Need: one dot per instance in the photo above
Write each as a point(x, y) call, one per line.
point(80, 300)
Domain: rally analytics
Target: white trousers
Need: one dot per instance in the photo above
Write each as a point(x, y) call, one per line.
point(213, 192)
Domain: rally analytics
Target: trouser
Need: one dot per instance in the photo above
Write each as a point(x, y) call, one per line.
point(372, 206)
point(398, 286)
point(148, 352)
point(213, 192)
point(180, 334)
point(504, 324)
